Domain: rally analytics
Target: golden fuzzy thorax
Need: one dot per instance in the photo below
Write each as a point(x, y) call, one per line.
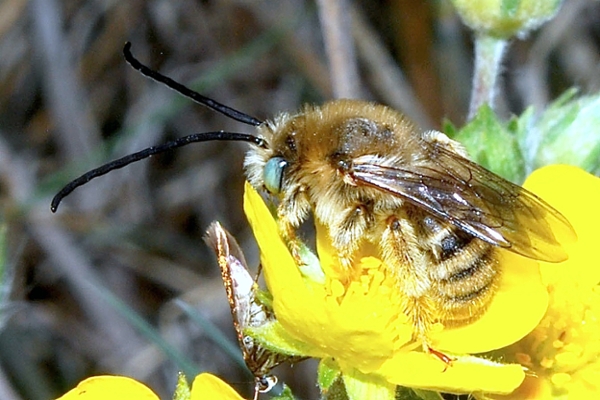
point(316, 140)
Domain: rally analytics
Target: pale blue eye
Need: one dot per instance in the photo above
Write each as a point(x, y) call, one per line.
point(273, 174)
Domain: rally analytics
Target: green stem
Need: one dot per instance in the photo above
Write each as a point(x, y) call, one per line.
point(488, 59)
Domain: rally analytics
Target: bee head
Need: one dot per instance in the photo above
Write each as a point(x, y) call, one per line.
point(272, 167)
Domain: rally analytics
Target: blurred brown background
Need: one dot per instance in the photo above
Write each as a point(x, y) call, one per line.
point(85, 285)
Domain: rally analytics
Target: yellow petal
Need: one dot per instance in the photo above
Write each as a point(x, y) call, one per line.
point(532, 388)
point(576, 194)
point(360, 324)
point(281, 274)
point(463, 375)
point(357, 325)
point(517, 307)
point(208, 386)
point(273, 251)
point(562, 352)
point(108, 387)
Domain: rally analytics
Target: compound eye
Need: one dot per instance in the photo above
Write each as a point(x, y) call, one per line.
point(273, 174)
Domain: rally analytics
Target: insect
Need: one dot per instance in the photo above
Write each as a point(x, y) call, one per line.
point(369, 175)
point(246, 310)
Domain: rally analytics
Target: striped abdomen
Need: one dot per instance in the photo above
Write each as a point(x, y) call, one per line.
point(463, 272)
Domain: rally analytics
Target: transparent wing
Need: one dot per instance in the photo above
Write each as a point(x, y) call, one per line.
point(247, 311)
point(475, 200)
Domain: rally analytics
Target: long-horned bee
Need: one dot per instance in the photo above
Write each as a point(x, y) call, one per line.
point(369, 175)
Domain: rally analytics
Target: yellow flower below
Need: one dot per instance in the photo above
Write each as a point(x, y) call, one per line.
point(360, 324)
point(208, 386)
point(563, 352)
point(109, 387)
point(106, 387)
point(358, 327)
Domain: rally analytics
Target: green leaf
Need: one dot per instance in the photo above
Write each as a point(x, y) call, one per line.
point(428, 395)
point(404, 393)
point(360, 386)
point(311, 266)
point(330, 380)
point(491, 144)
point(337, 391)
point(272, 336)
point(182, 390)
point(327, 374)
point(449, 129)
point(284, 394)
point(265, 298)
point(509, 8)
point(567, 132)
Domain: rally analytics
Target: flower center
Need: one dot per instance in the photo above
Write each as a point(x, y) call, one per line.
point(565, 345)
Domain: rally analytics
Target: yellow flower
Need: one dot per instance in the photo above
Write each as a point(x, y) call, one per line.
point(208, 386)
point(107, 387)
point(110, 387)
point(562, 353)
point(360, 324)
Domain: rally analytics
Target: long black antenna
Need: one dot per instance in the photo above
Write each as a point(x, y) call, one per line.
point(150, 151)
point(187, 92)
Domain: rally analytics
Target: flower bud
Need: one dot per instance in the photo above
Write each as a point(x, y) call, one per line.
point(506, 18)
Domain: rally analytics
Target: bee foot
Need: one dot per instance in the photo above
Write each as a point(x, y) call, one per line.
point(446, 359)
point(295, 250)
point(348, 272)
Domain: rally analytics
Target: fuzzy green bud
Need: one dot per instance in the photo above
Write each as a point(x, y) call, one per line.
point(506, 18)
point(565, 133)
